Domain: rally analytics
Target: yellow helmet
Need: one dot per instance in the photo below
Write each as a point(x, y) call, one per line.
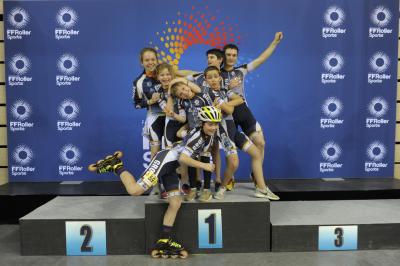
point(210, 114)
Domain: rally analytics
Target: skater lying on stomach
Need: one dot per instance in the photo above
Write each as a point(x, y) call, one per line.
point(162, 168)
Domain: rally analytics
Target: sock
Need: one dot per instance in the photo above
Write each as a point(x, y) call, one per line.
point(206, 174)
point(166, 232)
point(192, 177)
point(119, 171)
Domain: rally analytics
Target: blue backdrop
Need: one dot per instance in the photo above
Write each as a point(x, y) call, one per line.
point(326, 99)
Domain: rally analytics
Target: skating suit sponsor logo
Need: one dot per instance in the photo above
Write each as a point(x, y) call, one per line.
point(376, 153)
point(68, 65)
point(66, 19)
point(68, 111)
point(334, 17)
point(18, 18)
point(22, 156)
point(331, 108)
point(379, 64)
point(377, 108)
point(19, 66)
point(333, 62)
point(69, 156)
point(330, 152)
point(21, 111)
point(380, 18)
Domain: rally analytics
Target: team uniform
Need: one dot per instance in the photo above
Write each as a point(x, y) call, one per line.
point(242, 114)
point(227, 128)
point(192, 107)
point(143, 89)
point(171, 125)
point(164, 164)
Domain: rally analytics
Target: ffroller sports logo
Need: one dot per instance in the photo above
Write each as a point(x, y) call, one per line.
point(379, 64)
point(376, 152)
point(21, 111)
point(331, 108)
point(377, 108)
point(330, 152)
point(68, 65)
point(23, 156)
point(66, 18)
point(18, 18)
point(70, 156)
point(333, 62)
point(334, 17)
point(19, 65)
point(380, 18)
point(68, 110)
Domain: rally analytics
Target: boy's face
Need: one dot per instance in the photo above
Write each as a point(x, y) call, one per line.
point(212, 60)
point(164, 77)
point(183, 92)
point(231, 57)
point(210, 128)
point(213, 79)
point(149, 61)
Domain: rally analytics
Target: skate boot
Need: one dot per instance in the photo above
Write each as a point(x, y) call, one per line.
point(110, 164)
point(169, 248)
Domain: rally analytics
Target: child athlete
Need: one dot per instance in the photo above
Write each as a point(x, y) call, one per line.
point(163, 169)
point(234, 79)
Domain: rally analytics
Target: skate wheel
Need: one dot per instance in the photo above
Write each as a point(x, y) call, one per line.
point(154, 254)
point(108, 157)
point(99, 161)
point(174, 256)
point(118, 154)
point(164, 256)
point(183, 254)
point(92, 168)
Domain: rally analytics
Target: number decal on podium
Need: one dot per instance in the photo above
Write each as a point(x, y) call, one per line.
point(86, 238)
point(210, 228)
point(338, 237)
point(86, 231)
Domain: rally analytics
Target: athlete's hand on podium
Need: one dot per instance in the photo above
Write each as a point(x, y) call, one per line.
point(210, 167)
point(278, 37)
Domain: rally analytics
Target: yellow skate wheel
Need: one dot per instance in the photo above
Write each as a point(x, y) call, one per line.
point(118, 154)
point(92, 167)
point(155, 254)
point(183, 254)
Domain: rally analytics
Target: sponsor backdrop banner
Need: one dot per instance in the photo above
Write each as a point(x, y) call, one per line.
point(326, 98)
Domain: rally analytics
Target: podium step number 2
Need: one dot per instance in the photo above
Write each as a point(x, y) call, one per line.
point(210, 228)
point(86, 238)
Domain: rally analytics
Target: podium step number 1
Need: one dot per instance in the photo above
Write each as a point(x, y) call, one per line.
point(210, 228)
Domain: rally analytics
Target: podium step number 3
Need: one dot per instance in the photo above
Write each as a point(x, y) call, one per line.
point(210, 228)
point(338, 237)
point(86, 238)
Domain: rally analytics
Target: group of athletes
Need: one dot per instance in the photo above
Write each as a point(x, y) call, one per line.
point(190, 115)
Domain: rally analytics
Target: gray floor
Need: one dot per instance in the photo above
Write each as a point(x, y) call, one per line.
point(10, 255)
